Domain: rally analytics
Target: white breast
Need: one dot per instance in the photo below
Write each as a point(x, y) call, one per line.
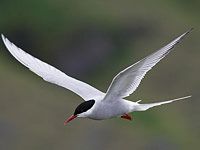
point(104, 110)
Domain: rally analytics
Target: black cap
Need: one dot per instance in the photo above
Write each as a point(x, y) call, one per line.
point(83, 107)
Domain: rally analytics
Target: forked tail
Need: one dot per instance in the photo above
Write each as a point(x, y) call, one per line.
point(143, 107)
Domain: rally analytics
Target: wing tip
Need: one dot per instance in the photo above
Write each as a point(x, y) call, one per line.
point(182, 36)
point(3, 37)
point(188, 31)
point(5, 40)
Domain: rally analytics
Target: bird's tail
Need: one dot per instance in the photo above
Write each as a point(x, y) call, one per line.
point(143, 107)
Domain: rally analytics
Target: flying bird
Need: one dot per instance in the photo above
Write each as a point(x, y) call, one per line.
point(98, 105)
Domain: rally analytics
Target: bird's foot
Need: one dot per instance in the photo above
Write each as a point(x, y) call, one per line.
point(126, 116)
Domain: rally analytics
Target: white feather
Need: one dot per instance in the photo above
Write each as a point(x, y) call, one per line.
point(143, 107)
point(51, 74)
point(127, 81)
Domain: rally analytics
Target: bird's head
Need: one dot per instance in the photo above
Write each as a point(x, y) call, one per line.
point(80, 110)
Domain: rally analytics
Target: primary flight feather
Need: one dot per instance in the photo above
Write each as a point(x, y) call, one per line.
point(99, 105)
point(51, 74)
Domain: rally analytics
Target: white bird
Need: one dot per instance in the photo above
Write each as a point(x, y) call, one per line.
point(99, 105)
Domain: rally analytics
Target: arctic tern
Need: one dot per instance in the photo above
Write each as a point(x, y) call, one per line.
point(98, 105)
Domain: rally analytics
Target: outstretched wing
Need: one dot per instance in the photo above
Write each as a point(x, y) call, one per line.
point(127, 81)
point(51, 74)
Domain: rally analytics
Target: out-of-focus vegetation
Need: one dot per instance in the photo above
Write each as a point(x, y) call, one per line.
point(92, 41)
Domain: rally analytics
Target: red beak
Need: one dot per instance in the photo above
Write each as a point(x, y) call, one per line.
point(69, 119)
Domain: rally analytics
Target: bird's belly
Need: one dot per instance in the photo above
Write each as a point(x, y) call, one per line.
point(100, 116)
point(106, 111)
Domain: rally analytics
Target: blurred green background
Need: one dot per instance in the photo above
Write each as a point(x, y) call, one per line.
point(93, 40)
